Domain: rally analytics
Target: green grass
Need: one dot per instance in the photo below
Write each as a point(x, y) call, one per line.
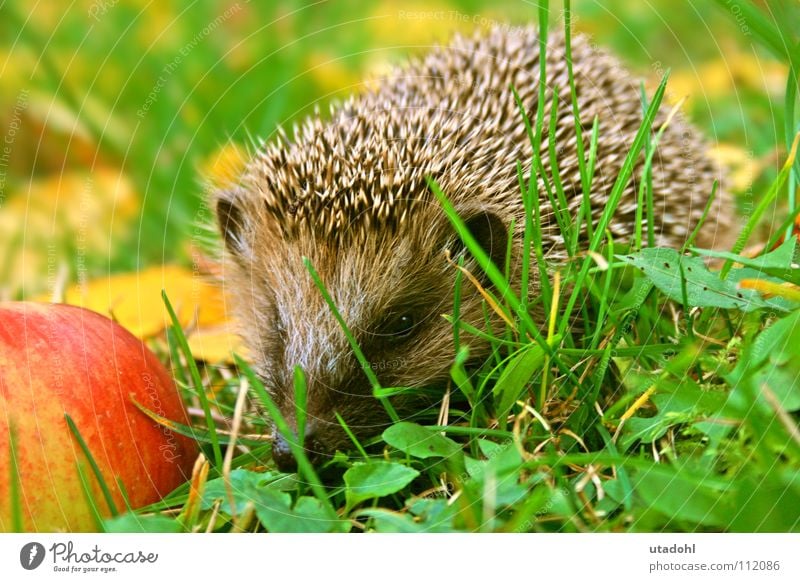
point(675, 408)
point(256, 69)
point(641, 422)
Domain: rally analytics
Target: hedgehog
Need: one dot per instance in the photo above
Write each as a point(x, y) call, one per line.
point(352, 194)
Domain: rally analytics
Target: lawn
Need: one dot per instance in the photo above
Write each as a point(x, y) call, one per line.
point(673, 406)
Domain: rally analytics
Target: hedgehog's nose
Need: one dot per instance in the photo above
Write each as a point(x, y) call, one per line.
point(283, 456)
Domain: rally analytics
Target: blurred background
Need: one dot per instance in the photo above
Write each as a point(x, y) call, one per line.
point(116, 116)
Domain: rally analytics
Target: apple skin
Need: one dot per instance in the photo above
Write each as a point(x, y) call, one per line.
point(59, 359)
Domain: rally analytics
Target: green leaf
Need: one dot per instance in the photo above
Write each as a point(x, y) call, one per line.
point(268, 493)
point(772, 361)
point(435, 514)
point(538, 503)
point(614, 496)
point(385, 521)
point(424, 515)
point(703, 288)
point(778, 343)
point(499, 475)
point(376, 479)
point(514, 379)
point(688, 403)
point(779, 263)
point(680, 496)
point(309, 515)
point(132, 523)
point(768, 502)
point(420, 442)
point(243, 487)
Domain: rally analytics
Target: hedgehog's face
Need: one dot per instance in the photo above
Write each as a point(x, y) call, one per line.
point(392, 289)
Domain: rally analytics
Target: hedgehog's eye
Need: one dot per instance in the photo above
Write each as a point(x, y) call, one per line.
point(398, 326)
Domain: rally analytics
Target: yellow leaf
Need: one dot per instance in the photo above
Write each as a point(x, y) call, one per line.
point(330, 73)
point(720, 77)
point(60, 220)
point(414, 23)
point(215, 344)
point(742, 167)
point(708, 81)
point(641, 401)
point(223, 168)
point(134, 300)
point(771, 289)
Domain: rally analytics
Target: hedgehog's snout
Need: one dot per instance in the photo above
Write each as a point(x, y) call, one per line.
point(313, 448)
point(282, 454)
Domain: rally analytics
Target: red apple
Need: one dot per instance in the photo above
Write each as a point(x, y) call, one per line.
point(60, 359)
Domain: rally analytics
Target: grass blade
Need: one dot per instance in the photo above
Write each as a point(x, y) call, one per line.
point(300, 403)
point(89, 498)
point(109, 499)
point(768, 198)
point(362, 360)
point(304, 466)
point(196, 380)
point(14, 482)
point(583, 166)
point(616, 193)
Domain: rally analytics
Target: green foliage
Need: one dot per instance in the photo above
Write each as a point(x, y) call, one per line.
point(684, 404)
point(769, 365)
point(516, 375)
point(419, 442)
point(683, 497)
point(687, 280)
point(672, 407)
point(780, 264)
point(376, 479)
point(270, 495)
point(694, 424)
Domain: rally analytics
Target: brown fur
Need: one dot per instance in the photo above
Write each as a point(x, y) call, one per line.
point(350, 195)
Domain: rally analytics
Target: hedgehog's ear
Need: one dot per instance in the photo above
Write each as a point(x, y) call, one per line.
point(230, 219)
point(489, 230)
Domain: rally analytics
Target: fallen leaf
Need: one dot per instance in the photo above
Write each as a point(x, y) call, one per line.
point(216, 344)
point(223, 168)
point(134, 301)
point(330, 73)
point(722, 76)
point(772, 289)
point(60, 220)
point(742, 166)
point(415, 23)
